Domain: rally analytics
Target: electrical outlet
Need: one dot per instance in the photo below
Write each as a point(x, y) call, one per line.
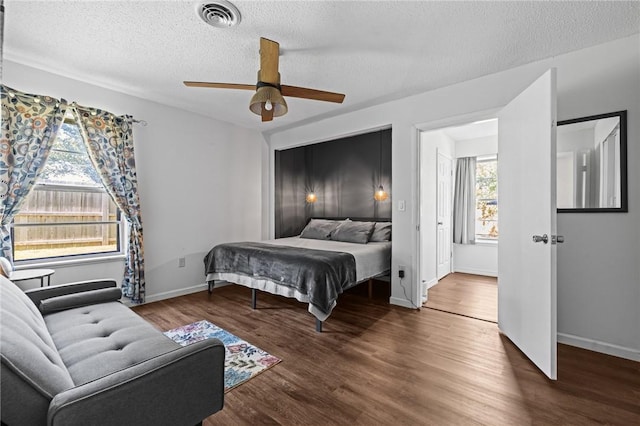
point(181, 262)
point(401, 271)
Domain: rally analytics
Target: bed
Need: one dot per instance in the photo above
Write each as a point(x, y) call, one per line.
point(327, 258)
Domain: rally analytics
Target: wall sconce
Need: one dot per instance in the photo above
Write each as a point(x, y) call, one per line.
point(311, 197)
point(380, 194)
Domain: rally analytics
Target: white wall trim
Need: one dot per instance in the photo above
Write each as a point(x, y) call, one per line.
point(424, 291)
point(474, 271)
point(405, 303)
point(183, 291)
point(175, 293)
point(432, 282)
point(597, 346)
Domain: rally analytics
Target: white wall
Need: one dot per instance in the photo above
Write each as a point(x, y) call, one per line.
point(575, 141)
point(487, 145)
point(200, 182)
point(565, 185)
point(478, 259)
point(603, 128)
point(598, 266)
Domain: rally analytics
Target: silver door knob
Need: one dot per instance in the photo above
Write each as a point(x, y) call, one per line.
point(541, 238)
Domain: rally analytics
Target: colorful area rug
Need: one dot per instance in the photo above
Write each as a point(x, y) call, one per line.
point(243, 361)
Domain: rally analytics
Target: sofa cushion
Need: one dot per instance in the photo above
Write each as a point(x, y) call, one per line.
point(96, 340)
point(32, 369)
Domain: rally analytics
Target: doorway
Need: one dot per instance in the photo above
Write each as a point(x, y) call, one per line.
point(527, 285)
point(459, 278)
point(467, 295)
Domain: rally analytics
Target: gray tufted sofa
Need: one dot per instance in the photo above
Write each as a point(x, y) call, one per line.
point(74, 355)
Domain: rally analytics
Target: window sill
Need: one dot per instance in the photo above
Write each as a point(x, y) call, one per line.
point(49, 263)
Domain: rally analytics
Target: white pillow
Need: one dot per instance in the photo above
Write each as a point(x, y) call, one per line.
point(7, 267)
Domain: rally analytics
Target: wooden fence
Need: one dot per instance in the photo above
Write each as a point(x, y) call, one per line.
point(45, 206)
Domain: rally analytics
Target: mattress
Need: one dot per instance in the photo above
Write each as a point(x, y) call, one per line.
point(372, 259)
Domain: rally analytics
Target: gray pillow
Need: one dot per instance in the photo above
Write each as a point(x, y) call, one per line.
point(353, 232)
point(319, 229)
point(381, 232)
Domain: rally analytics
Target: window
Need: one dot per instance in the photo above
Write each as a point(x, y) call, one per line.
point(487, 198)
point(68, 212)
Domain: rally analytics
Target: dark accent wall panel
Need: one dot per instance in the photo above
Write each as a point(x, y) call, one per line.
point(344, 174)
point(290, 180)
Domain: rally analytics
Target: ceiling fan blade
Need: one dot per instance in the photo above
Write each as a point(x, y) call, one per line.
point(269, 57)
point(220, 85)
point(267, 115)
point(318, 95)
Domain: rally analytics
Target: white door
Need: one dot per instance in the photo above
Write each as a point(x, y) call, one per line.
point(443, 215)
point(527, 200)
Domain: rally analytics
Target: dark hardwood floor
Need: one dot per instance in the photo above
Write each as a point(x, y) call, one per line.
point(474, 296)
point(376, 364)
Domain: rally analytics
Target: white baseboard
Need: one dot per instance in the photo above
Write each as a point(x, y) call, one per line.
point(431, 283)
point(485, 272)
point(401, 302)
point(424, 289)
point(175, 293)
point(602, 347)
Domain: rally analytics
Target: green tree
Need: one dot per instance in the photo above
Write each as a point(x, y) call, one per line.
point(69, 162)
point(487, 195)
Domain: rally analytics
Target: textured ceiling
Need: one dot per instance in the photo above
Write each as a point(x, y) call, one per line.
point(371, 51)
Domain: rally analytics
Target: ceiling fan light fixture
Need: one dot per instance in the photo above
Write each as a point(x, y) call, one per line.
point(268, 94)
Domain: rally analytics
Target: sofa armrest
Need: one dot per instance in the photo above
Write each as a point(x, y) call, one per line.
point(38, 294)
point(76, 300)
point(181, 387)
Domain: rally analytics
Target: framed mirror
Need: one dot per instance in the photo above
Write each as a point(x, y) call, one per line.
point(592, 164)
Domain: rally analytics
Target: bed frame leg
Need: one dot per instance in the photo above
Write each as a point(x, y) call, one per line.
point(318, 325)
point(370, 288)
point(254, 298)
point(210, 285)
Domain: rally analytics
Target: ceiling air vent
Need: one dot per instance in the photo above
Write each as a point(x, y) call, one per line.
point(221, 14)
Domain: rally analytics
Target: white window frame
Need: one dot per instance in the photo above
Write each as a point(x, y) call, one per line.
point(121, 242)
point(481, 239)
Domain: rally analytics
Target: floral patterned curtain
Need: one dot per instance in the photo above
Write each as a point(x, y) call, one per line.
point(30, 124)
point(109, 140)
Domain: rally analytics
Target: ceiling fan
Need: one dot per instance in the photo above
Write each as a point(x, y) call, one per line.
point(268, 101)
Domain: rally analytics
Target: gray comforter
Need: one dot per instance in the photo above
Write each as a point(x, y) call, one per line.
point(321, 275)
